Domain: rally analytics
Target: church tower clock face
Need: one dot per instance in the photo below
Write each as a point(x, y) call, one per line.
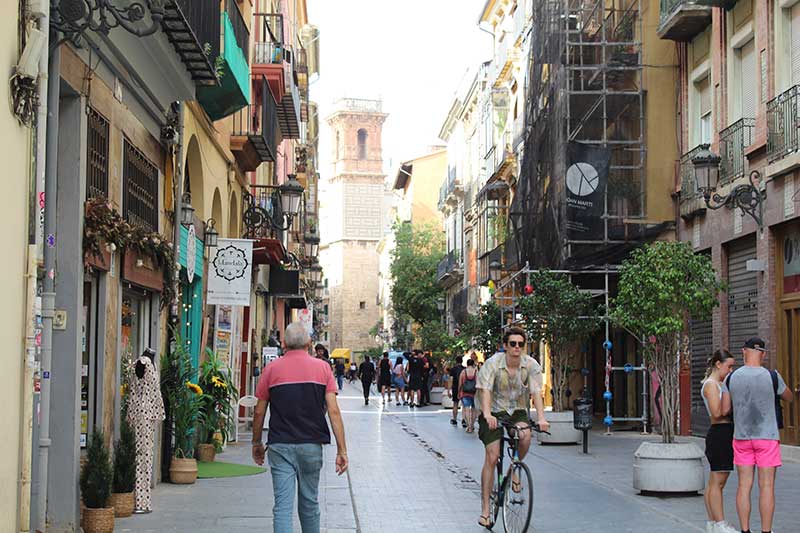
point(582, 179)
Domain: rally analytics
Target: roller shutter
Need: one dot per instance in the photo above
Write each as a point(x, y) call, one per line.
point(742, 296)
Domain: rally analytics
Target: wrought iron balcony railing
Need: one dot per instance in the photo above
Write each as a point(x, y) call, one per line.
point(240, 30)
point(269, 42)
point(258, 122)
point(733, 141)
point(783, 125)
point(448, 268)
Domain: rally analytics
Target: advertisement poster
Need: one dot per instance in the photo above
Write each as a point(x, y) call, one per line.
point(306, 318)
point(587, 176)
point(230, 272)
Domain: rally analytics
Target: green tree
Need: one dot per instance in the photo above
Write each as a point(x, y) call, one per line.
point(485, 329)
point(560, 315)
point(418, 251)
point(661, 286)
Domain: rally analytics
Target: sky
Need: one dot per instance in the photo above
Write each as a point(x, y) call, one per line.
point(411, 54)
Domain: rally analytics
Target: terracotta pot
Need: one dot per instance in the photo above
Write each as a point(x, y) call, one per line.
point(206, 453)
point(98, 520)
point(123, 503)
point(183, 471)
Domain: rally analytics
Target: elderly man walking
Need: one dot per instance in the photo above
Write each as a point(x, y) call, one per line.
point(298, 389)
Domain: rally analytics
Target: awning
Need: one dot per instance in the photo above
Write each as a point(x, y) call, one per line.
point(341, 353)
point(493, 190)
point(268, 252)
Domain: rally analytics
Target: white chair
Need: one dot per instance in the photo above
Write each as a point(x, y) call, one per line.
point(248, 402)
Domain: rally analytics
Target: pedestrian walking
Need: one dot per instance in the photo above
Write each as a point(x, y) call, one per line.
point(425, 398)
point(454, 373)
point(366, 372)
point(339, 368)
point(298, 390)
point(321, 352)
point(719, 439)
point(399, 381)
point(353, 372)
point(467, 387)
point(385, 378)
point(415, 368)
point(755, 395)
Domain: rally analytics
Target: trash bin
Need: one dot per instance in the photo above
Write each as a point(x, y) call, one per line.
point(582, 408)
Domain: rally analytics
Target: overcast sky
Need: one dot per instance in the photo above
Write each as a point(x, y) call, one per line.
point(412, 54)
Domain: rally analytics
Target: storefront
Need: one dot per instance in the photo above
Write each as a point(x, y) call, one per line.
point(191, 276)
point(788, 356)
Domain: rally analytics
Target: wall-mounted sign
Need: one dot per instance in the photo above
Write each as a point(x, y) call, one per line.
point(230, 272)
point(191, 252)
point(586, 180)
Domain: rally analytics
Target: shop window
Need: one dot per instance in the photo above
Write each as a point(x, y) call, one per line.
point(140, 189)
point(96, 154)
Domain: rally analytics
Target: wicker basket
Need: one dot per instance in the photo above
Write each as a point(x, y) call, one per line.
point(183, 471)
point(123, 503)
point(98, 520)
point(206, 453)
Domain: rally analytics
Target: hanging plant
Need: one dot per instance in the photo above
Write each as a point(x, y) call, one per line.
point(104, 229)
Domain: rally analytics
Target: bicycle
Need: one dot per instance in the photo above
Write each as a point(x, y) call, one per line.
point(517, 505)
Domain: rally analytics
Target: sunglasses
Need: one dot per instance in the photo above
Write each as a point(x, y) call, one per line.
point(516, 344)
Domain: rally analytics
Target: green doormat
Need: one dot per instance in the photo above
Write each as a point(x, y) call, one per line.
point(220, 469)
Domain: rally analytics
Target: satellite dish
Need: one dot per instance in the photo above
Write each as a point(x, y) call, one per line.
point(582, 179)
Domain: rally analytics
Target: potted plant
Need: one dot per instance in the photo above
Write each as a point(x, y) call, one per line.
point(217, 406)
point(661, 286)
point(556, 313)
point(122, 497)
point(184, 398)
point(96, 478)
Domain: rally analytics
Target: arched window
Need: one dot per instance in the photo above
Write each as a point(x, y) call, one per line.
point(362, 144)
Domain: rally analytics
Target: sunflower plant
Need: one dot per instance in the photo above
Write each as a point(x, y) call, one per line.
point(219, 399)
point(184, 397)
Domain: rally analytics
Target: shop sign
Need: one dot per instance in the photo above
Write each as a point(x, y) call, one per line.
point(230, 272)
point(191, 254)
point(586, 180)
point(791, 263)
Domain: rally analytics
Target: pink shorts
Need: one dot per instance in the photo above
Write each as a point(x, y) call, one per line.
point(761, 453)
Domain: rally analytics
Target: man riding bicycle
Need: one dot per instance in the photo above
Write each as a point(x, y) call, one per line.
point(506, 384)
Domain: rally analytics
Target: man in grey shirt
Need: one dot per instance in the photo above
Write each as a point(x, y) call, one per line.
point(756, 441)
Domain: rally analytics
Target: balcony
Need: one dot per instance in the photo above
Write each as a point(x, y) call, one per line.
point(275, 60)
point(691, 201)
point(733, 141)
point(255, 131)
point(184, 23)
point(505, 57)
point(485, 260)
point(449, 271)
point(783, 125)
point(501, 160)
point(450, 190)
point(682, 20)
point(233, 90)
point(259, 208)
point(460, 304)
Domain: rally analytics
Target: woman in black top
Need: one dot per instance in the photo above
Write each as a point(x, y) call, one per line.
point(385, 378)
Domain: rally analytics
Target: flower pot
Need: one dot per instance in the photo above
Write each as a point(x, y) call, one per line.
point(123, 503)
point(98, 520)
point(219, 440)
point(206, 453)
point(668, 468)
point(183, 471)
point(562, 429)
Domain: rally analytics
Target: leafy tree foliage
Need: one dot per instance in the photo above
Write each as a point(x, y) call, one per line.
point(485, 329)
point(418, 250)
point(661, 286)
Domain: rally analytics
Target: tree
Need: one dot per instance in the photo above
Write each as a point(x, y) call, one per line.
point(661, 286)
point(485, 329)
point(560, 315)
point(418, 251)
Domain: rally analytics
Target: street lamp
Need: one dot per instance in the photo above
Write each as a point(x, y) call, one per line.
point(440, 303)
point(746, 197)
point(495, 271)
point(315, 273)
point(187, 211)
point(311, 243)
point(210, 234)
point(318, 291)
point(291, 193)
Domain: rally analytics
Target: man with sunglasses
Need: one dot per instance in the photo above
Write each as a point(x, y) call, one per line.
point(507, 383)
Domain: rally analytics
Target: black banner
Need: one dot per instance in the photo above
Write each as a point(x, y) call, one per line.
point(586, 179)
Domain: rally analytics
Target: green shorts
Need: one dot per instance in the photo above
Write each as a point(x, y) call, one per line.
point(489, 436)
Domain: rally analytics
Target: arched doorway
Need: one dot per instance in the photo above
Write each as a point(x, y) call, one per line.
point(193, 177)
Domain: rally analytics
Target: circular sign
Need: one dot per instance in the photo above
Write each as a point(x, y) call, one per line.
point(191, 254)
point(582, 179)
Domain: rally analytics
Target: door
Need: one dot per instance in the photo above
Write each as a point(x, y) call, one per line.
point(701, 350)
point(789, 367)
point(742, 296)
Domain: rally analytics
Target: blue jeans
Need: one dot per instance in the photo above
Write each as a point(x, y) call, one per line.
point(295, 464)
point(340, 381)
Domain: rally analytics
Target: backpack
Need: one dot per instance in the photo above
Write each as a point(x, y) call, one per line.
point(470, 385)
point(778, 406)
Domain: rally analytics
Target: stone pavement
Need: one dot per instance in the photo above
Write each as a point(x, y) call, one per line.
point(412, 470)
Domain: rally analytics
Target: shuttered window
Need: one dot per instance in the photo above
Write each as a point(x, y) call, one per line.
point(140, 189)
point(749, 80)
point(795, 44)
point(703, 91)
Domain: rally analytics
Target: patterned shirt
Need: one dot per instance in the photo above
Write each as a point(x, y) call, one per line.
point(510, 393)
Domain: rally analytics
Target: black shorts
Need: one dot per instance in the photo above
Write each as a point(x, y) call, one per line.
point(719, 447)
point(455, 396)
point(415, 383)
point(385, 381)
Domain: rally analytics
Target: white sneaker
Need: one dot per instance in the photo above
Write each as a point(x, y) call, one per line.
point(724, 527)
point(709, 526)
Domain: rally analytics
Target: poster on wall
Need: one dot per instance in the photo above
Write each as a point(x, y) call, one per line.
point(306, 318)
point(230, 272)
point(587, 175)
point(223, 324)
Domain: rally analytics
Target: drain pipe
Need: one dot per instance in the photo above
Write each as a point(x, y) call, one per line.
point(49, 286)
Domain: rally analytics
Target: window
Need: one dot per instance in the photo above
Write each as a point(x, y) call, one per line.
point(140, 189)
point(795, 44)
point(362, 144)
point(362, 305)
point(702, 122)
point(96, 155)
point(748, 79)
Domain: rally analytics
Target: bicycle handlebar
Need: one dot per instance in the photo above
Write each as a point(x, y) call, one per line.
point(530, 425)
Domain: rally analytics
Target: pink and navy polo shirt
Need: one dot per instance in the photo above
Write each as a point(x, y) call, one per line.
point(295, 386)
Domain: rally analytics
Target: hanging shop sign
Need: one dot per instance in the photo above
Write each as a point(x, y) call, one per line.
point(191, 254)
point(587, 176)
point(230, 272)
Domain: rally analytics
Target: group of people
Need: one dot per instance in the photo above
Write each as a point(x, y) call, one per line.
point(463, 387)
point(744, 405)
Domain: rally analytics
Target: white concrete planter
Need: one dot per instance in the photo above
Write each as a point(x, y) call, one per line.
point(562, 430)
point(436, 395)
point(668, 468)
point(447, 401)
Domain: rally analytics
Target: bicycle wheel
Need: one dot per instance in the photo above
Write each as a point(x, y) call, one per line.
point(518, 504)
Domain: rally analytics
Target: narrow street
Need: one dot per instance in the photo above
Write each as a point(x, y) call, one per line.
point(412, 470)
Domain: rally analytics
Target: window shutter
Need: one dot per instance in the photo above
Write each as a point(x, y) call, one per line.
point(749, 80)
point(795, 43)
point(703, 134)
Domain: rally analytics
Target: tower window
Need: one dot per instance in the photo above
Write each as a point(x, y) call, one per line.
point(362, 144)
point(362, 305)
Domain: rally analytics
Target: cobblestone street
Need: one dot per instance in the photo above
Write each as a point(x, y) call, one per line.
point(412, 470)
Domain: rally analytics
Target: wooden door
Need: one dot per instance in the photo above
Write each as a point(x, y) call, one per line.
point(789, 367)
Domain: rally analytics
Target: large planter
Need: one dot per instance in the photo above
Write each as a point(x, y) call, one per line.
point(123, 503)
point(98, 520)
point(668, 468)
point(206, 453)
point(436, 395)
point(562, 429)
point(183, 471)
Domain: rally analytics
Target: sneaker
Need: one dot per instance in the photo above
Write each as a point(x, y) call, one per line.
point(463, 423)
point(398, 403)
point(405, 403)
point(724, 527)
point(453, 422)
